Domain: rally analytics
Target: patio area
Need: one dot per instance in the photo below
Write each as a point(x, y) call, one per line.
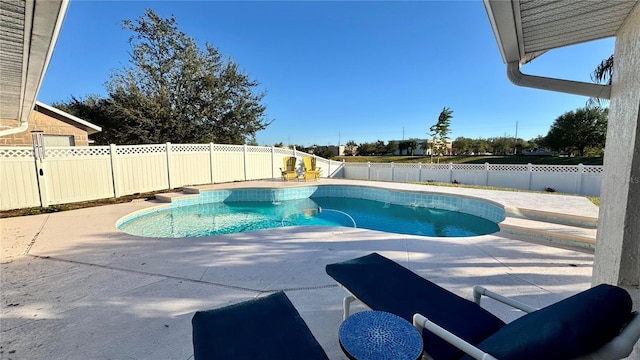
point(75, 287)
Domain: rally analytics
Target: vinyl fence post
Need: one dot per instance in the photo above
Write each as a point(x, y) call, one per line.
point(450, 172)
point(169, 165)
point(211, 163)
point(392, 171)
point(419, 172)
point(368, 170)
point(486, 174)
point(115, 170)
point(579, 179)
point(530, 173)
point(273, 162)
point(244, 161)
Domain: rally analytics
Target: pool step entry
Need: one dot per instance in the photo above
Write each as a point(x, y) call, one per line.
point(571, 235)
point(551, 217)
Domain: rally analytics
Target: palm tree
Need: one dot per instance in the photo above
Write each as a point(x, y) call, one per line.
point(601, 75)
point(440, 132)
point(604, 71)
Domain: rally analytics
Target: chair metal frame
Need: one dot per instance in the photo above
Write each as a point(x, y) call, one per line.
point(619, 347)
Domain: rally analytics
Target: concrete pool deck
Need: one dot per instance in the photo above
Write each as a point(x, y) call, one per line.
point(75, 287)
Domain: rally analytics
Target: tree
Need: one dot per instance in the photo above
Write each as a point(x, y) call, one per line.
point(412, 145)
point(425, 144)
point(392, 147)
point(380, 148)
point(536, 143)
point(602, 74)
point(173, 91)
point(350, 148)
point(463, 146)
point(480, 146)
point(440, 131)
point(578, 130)
point(99, 111)
point(402, 147)
point(365, 149)
point(502, 145)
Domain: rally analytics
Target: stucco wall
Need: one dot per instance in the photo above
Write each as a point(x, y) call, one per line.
point(41, 122)
point(618, 242)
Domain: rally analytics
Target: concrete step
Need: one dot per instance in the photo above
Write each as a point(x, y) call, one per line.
point(552, 217)
point(554, 232)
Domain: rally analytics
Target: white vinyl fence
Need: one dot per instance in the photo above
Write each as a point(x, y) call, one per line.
point(571, 179)
point(58, 175)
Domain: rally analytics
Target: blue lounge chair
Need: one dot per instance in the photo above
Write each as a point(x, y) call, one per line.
point(266, 328)
point(597, 322)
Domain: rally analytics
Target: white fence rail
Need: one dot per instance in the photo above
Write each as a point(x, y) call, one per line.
point(571, 179)
point(73, 174)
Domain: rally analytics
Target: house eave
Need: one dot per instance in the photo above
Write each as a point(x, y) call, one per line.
point(525, 29)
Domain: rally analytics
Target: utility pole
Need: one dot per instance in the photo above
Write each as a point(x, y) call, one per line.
point(403, 133)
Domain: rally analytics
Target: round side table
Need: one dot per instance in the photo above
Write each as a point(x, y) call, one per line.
point(379, 335)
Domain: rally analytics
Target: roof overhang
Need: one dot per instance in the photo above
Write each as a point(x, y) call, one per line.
point(68, 118)
point(29, 30)
point(525, 29)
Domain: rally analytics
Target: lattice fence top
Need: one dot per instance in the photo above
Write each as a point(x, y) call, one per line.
point(259, 149)
point(282, 151)
point(554, 168)
point(77, 151)
point(435, 166)
point(16, 152)
point(501, 167)
point(380, 165)
point(593, 169)
point(190, 147)
point(228, 148)
point(406, 165)
point(468, 166)
point(356, 164)
point(140, 149)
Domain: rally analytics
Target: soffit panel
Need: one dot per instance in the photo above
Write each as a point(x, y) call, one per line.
point(28, 32)
point(552, 24)
point(11, 57)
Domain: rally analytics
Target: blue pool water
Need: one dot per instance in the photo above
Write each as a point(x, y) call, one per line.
point(218, 218)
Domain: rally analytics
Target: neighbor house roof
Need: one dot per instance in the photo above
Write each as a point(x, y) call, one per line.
point(28, 33)
point(68, 118)
point(526, 29)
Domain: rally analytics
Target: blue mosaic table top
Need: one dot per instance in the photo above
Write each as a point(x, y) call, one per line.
point(379, 335)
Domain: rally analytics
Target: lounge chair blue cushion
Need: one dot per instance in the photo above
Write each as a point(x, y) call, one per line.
point(264, 328)
point(567, 329)
point(385, 285)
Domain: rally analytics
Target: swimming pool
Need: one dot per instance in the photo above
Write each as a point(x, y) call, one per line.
point(232, 211)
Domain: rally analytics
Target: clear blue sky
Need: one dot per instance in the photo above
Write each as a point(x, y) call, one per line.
point(338, 71)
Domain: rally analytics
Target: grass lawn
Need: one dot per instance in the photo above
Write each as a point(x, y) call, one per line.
point(535, 160)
